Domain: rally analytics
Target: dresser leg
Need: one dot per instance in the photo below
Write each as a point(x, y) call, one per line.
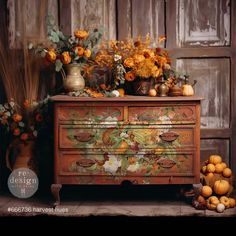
point(55, 189)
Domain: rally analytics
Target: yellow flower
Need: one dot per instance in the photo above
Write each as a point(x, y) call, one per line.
point(130, 76)
point(80, 51)
point(66, 58)
point(138, 58)
point(87, 53)
point(155, 72)
point(51, 56)
point(129, 62)
point(81, 34)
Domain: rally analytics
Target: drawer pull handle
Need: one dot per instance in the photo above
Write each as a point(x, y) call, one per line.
point(166, 163)
point(169, 136)
point(85, 162)
point(83, 137)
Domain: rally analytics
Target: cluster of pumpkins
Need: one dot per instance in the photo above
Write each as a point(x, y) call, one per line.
point(216, 179)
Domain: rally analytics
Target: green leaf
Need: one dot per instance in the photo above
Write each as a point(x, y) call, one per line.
point(54, 37)
point(58, 65)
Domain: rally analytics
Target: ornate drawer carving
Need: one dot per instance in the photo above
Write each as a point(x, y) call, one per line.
point(72, 163)
point(163, 114)
point(91, 114)
point(125, 138)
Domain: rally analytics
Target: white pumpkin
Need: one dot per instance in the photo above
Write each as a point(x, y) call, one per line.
point(115, 93)
point(220, 207)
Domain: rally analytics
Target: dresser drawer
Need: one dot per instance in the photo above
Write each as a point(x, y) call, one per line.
point(72, 163)
point(125, 139)
point(95, 114)
point(163, 114)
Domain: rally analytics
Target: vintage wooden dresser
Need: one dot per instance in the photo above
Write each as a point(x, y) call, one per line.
point(144, 140)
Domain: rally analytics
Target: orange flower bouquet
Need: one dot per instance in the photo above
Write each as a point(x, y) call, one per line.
point(79, 48)
point(135, 59)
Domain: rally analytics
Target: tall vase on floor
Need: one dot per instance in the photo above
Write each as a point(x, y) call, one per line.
point(73, 80)
point(23, 155)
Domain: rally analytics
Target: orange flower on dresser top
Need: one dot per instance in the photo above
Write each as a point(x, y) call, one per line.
point(132, 59)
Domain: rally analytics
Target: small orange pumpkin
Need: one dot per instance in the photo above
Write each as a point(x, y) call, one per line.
point(221, 187)
point(227, 172)
point(232, 202)
point(211, 168)
point(219, 168)
point(223, 165)
point(206, 191)
point(215, 159)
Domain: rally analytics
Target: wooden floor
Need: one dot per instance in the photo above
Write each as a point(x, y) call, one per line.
point(94, 203)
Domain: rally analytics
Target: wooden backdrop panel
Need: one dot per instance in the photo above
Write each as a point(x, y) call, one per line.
point(213, 83)
point(139, 18)
point(215, 146)
point(27, 19)
point(203, 23)
point(88, 14)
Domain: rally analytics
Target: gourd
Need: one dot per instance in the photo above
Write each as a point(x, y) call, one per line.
point(212, 202)
point(224, 200)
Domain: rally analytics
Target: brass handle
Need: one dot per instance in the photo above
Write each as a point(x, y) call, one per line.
point(83, 137)
point(169, 136)
point(85, 162)
point(166, 163)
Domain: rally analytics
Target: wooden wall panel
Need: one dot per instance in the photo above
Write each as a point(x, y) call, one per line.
point(27, 19)
point(215, 146)
point(89, 14)
point(213, 83)
point(138, 18)
point(203, 23)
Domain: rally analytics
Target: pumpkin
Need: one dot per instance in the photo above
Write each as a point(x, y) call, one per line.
point(224, 200)
point(223, 165)
point(187, 90)
point(231, 202)
point(221, 187)
point(211, 168)
point(220, 208)
point(227, 172)
point(206, 191)
point(219, 168)
point(210, 175)
point(212, 202)
point(215, 159)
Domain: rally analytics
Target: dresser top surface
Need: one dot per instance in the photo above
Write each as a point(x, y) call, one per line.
point(128, 98)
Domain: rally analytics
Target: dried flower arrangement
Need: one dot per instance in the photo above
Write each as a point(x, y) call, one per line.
point(132, 59)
